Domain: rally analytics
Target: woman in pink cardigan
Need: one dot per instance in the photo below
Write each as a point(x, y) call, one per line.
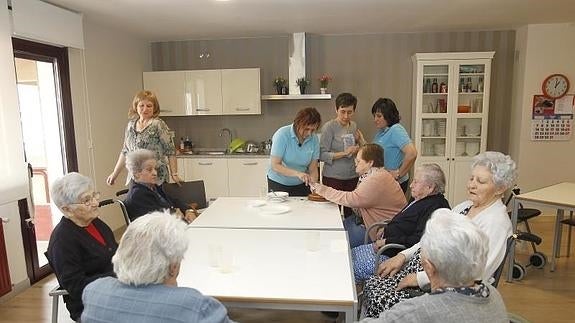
point(376, 198)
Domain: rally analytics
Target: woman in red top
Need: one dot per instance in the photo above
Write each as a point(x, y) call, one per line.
point(81, 245)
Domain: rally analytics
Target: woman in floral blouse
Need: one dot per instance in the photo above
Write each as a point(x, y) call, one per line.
point(145, 130)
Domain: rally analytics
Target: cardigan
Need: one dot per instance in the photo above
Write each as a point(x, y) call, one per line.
point(378, 197)
point(142, 200)
point(407, 227)
point(77, 259)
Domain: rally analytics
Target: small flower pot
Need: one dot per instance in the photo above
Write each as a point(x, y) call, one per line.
point(301, 89)
point(323, 90)
point(279, 89)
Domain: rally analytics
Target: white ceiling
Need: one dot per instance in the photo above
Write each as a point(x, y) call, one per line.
point(158, 20)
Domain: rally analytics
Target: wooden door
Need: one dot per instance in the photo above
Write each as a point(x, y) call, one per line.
point(5, 281)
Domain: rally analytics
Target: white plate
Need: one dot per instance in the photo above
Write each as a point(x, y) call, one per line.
point(274, 209)
point(256, 203)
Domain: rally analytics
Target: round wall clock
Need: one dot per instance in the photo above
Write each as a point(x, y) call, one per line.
point(555, 86)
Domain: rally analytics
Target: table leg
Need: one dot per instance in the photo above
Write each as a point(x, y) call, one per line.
point(557, 238)
point(511, 253)
point(351, 315)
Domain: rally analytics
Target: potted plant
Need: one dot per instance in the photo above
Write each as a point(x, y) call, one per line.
point(323, 82)
point(279, 84)
point(302, 82)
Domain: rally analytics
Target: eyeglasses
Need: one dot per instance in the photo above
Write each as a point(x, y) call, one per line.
point(87, 201)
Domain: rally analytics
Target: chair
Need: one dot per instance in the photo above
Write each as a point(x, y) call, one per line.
point(55, 293)
point(537, 259)
point(191, 193)
point(571, 223)
point(120, 203)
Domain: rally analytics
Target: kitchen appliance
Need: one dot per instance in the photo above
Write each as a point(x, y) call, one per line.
point(251, 147)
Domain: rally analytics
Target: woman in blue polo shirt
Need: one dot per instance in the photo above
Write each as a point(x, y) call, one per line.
point(295, 154)
point(399, 152)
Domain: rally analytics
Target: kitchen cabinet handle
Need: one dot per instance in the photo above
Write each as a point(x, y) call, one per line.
point(250, 164)
point(242, 109)
point(165, 110)
point(204, 164)
point(203, 109)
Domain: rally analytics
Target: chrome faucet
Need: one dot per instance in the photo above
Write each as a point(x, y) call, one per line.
point(229, 132)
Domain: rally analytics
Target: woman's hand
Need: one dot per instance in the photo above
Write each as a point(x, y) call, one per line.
point(351, 151)
point(177, 179)
point(359, 137)
point(378, 244)
point(408, 281)
point(111, 179)
point(391, 265)
point(190, 215)
point(305, 177)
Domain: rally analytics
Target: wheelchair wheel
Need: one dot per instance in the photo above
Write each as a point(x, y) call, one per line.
point(518, 271)
point(538, 260)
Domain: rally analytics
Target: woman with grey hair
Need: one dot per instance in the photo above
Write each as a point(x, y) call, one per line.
point(145, 194)
point(400, 277)
point(453, 254)
point(147, 264)
point(81, 245)
point(407, 226)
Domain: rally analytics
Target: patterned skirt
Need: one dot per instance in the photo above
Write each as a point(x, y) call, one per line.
point(379, 292)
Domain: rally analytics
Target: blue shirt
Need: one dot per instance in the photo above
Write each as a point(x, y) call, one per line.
point(285, 146)
point(392, 140)
point(108, 300)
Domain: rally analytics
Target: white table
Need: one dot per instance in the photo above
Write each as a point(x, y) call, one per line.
point(273, 269)
point(235, 212)
point(559, 196)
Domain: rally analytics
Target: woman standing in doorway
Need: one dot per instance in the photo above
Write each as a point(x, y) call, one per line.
point(340, 140)
point(399, 152)
point(145, 130)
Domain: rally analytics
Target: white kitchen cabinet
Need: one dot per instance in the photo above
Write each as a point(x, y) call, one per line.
point(214, 173)
point(206, 92)
point(169, 88)
point(247, 176)
point(241, 91)
point(450, 108)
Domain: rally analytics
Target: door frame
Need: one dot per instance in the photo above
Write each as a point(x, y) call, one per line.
point(59, 57)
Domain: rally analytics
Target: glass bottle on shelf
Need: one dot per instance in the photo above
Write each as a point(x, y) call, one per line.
point(442, 88)
point(480, 85)
point(434, 86)
point(469, 85)
point(427, 86)
point(461, 85)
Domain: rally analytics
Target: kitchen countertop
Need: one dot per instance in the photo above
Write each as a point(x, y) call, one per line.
point(234, 155)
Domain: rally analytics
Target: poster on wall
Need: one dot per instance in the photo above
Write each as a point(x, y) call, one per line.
point(552, 119)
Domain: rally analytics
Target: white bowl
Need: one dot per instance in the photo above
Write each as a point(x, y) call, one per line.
point(277, 194)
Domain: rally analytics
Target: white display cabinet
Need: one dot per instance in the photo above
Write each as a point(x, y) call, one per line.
point(450, 109)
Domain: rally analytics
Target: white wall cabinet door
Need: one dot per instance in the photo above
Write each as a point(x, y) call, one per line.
point(460, 172)
point(169, 88)
point(204, 91)
point(214, 173)
point(247, 176)
point(241, 91)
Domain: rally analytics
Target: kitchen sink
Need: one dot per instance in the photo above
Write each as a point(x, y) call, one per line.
point(210, 151)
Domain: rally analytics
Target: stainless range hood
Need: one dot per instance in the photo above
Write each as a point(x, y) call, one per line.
point(296, 71)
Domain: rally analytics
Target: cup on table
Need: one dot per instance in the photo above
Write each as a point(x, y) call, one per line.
point(227, 260)
point(312, 240)
point(214, 254)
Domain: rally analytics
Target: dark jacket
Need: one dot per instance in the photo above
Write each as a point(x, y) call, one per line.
point(77, 259)
point(142, 200)
point(407, 226)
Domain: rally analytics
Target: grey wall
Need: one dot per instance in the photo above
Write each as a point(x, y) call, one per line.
point(369, 66)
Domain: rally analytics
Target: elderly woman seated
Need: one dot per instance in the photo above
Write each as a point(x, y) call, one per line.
point(147, 264)
point(492, 173)
point(145, 195)
point(454, 252)
point(81, 245)
point(406, 228)
point(376, 198)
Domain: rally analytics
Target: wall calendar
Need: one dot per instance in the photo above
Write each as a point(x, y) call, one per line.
point(552, 119)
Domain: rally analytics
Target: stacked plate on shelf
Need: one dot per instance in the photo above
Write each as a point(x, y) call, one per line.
point(441, 128)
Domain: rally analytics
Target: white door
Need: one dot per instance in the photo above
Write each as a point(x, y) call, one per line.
point(169, 88)
point(241, 91)
point(204, 91)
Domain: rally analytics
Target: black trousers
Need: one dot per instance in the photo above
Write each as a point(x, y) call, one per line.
point(296, 190)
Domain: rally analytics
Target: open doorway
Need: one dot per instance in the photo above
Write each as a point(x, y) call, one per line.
point(47, 127)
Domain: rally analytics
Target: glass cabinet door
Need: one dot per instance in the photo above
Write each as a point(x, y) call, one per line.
point(434, 112)
point(469, 109)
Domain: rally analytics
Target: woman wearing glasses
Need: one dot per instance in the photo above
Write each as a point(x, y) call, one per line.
point(81, 245)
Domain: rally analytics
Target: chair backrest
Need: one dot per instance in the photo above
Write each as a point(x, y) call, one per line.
point(188, 192)
point(514, 191)
point(122, 208)
point(499, 271)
